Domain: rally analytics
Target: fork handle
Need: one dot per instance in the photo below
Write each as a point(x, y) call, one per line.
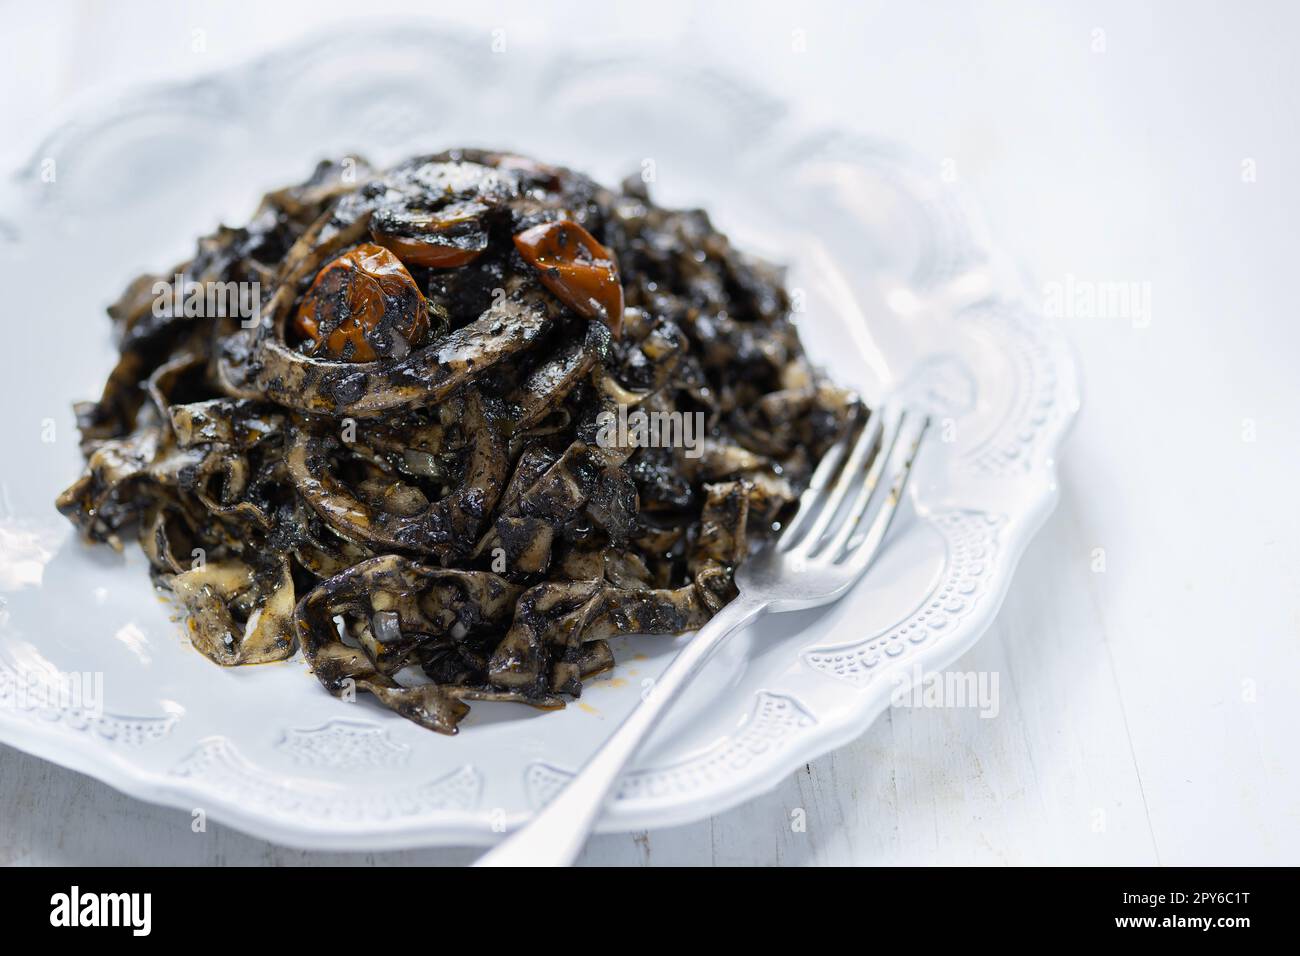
point(555, 836)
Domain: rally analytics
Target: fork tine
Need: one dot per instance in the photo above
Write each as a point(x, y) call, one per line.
point(822, 475)
point(831, 500)
point(862, 502)
point(859, 556)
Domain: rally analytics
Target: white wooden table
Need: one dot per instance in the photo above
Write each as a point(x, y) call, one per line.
point(1148, 653)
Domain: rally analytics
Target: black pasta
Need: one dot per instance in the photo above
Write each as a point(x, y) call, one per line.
point(453, 452)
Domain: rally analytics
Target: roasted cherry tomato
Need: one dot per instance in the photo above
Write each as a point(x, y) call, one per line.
point(577, 268)
point(360, 304)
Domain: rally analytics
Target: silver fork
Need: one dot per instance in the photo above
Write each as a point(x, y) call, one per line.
point(828, 545)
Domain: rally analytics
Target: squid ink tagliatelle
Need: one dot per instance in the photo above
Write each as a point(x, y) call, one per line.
point(398, 465)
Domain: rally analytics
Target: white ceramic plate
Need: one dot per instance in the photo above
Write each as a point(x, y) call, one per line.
point(898, 289)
